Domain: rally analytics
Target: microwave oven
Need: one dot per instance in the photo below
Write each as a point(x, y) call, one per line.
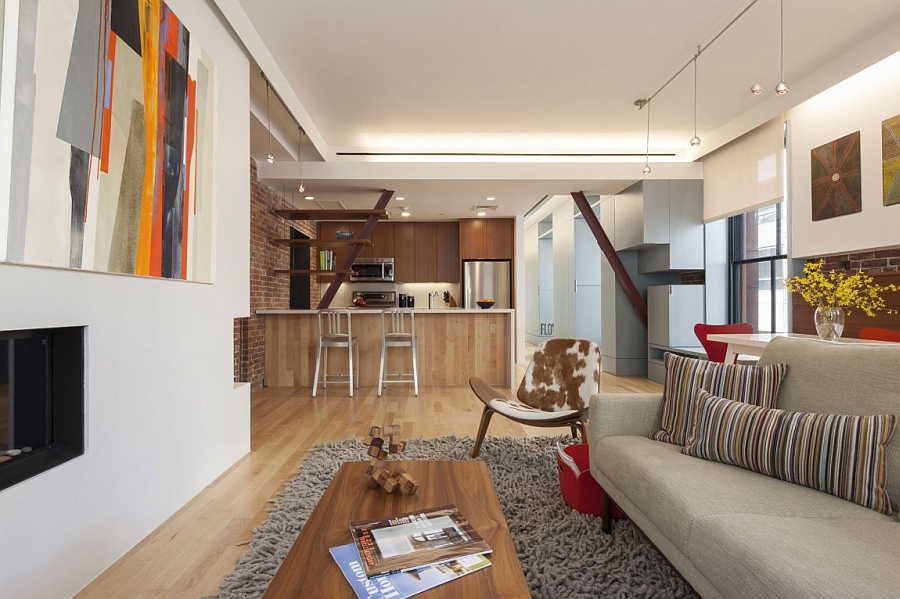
point(373, 270)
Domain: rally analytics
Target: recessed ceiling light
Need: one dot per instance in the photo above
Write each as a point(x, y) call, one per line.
point(405, 212)
point(482, 214)
point(400, 198)
point(309, 197)
point(490, 199)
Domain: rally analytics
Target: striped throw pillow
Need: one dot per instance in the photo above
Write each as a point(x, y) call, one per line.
point(749, 384)
point(840, 455)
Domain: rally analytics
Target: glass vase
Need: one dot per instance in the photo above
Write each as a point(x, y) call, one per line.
point(829, 322)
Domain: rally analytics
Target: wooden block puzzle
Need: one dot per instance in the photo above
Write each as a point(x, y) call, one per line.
point(384, 442)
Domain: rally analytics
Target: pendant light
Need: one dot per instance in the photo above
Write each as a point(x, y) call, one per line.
point(301, 188)
point(695, 141)
point(782, 88)
point(756, 89)
point(271, 156)
point(646, 169)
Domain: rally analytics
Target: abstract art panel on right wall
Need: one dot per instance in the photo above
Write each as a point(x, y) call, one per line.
point(890, 157)
point(835, 175)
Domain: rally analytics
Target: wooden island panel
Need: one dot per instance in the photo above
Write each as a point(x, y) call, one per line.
point(453, 346)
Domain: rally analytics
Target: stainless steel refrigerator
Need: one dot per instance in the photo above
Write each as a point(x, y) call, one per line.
point(486, 279)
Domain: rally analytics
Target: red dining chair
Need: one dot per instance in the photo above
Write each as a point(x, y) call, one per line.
point(879, 334)
point(716, 350)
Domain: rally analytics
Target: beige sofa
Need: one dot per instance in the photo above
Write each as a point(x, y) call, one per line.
point(734, 533)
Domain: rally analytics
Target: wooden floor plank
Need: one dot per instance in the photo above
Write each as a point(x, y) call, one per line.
point(190, 553)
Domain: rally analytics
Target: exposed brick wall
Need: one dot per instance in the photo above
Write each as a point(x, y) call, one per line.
point(267, 290)
point(693, 277)
point(883, 266)
point(870, 262)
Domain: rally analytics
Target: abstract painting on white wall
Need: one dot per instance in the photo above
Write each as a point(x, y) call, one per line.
point(836, 178)
point(112, 141)
point(890, 156)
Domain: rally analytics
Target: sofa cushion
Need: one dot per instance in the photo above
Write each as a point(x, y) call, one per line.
point(748, 556)
point(749, 384)
point(674, 489)
point(841, 455)
point(842, 378)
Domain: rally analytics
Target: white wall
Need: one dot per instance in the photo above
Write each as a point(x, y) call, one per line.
point(164, 417)
point(859, 103)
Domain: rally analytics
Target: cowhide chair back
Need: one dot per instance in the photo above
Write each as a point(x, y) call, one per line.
point(556, 389)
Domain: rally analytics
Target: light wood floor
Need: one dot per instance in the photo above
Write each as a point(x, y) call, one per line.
point(190, 553)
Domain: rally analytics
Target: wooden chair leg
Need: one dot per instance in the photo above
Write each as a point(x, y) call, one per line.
point(482, 430)
point(578, 428)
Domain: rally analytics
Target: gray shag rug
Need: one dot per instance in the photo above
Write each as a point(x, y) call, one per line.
point(563, 553)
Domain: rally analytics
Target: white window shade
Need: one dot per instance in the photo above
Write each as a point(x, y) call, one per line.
point(745, 174)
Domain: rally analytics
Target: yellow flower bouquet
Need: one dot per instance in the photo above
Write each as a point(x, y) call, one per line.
point(826, 292)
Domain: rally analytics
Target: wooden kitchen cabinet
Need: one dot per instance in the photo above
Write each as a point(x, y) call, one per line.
point(382, 241)
point(425, 252)
point(404, 252)
point(447, 252)
point(471, 238)
point(498, 238)
point(486, 238)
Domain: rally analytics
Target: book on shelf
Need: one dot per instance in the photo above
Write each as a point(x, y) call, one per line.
point(401, 584)
point(326, 259)
point(415, 539)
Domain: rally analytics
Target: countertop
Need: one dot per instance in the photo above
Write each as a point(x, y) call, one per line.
point(417, 310)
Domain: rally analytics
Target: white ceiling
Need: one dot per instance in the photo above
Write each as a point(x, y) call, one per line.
point(517, 98)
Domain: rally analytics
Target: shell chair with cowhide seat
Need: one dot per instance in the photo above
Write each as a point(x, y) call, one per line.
point(556, 389)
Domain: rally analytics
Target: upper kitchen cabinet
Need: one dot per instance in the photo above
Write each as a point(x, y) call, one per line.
point(486, 238)
point(382, 241)
point(424, 253)
point(663, 220)
point(404, 252)
point(447, 252)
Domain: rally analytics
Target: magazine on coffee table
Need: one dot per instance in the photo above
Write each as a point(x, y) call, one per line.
point(401, 584)
point(415, 539)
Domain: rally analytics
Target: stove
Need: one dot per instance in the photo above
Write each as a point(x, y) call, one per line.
point(375, 299)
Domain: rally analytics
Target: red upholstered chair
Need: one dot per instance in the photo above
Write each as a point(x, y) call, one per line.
point(879, 334)
point(716, 349)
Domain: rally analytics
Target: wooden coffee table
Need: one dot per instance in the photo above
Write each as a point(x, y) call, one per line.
point(309, 571)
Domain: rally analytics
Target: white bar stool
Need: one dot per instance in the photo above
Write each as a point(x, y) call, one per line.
point(394, 333)
point(334, 329)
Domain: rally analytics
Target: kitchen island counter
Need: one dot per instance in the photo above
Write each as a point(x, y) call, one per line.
point(454, 344)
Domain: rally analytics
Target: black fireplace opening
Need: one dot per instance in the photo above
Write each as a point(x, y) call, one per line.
point(41, 401)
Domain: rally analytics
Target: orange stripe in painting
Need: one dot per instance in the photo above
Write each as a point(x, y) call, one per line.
point(149, 20)
point(172, 29)
point(191, 107)
point(107, 105)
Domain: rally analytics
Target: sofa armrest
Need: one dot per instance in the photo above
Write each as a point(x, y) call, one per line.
point(629, 414)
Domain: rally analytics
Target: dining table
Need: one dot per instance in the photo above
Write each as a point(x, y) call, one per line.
point(753, 344)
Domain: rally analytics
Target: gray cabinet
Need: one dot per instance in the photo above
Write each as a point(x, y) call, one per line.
point(672, 312)
point(642, 215)
point(663, 221)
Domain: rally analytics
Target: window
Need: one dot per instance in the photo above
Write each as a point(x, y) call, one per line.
point(758, 259)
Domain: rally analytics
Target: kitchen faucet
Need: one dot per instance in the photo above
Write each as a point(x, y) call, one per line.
point(431, 297)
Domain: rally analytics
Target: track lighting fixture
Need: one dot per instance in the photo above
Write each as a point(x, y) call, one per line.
point(695, 141)
point(646, 103)
point(782, 88)
point(271, 156)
